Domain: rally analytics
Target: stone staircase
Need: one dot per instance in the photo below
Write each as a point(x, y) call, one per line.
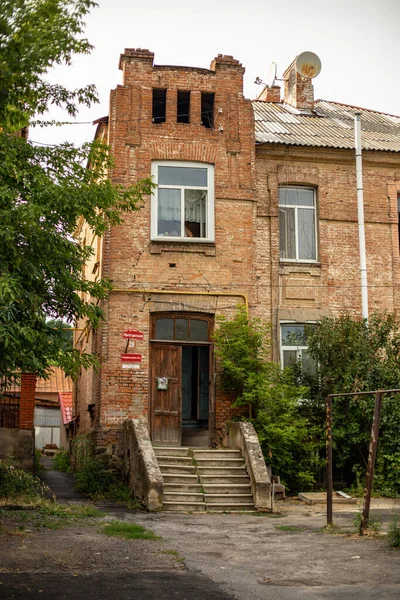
point(204, 480)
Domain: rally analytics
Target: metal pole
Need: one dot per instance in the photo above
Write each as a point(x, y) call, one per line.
point(360, 206)
point(371, 462)
point(329, 491)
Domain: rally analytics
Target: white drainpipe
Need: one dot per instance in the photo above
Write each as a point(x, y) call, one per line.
point(361, 230)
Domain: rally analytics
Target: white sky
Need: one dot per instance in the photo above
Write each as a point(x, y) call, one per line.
point(358, 42)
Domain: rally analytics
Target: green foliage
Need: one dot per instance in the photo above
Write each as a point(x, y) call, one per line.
point(34, 36)
point(394, 533)
point(277, 403)
point(94, 478)
point(44, 191)
point(62, 462)
point(128, 531)
point(15, 483)
point(356, 356)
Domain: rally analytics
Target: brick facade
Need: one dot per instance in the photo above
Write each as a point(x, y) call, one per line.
point(243, 262)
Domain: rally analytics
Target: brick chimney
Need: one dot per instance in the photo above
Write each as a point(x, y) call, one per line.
point(270, 94)
point(298, 91)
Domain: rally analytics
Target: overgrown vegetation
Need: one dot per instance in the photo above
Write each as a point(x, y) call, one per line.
point(287, 407)
point(394, 533)
point(128, 531)
point(44, 514)
point(271, 397)
point(355, 356)
point(95, 478)
point(17, 484)
point(62, 462)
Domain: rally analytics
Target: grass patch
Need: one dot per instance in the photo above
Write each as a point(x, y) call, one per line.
point(45, 515)
point(175, 555)
point(292, 528)
point(394, 533)
point(128, 531)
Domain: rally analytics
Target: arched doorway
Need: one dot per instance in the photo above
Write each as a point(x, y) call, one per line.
point(181, 371)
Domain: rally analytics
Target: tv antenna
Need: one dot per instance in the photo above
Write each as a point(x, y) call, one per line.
point(308, 65)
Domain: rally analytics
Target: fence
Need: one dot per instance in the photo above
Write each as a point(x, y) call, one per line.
point(9, 403)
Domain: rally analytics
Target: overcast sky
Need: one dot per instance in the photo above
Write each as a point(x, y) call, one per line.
point(358, 42)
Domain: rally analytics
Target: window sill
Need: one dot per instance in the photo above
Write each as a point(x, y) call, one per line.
point(295, 263)
point(206, 248)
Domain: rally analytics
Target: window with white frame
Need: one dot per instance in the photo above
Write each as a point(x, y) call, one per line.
point(294, 347)
point(297, 224)
point(183, 202)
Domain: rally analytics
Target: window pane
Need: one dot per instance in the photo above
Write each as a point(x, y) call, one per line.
point(296, 197)
point(181, 329)
point(195, 213)
point(182, 176)
point(198, 330)
point(306, 231)
point(308, 364)
point(169, 212)
point(293, 335)
point(287, 240)
point(164, 329)
point(289, 357)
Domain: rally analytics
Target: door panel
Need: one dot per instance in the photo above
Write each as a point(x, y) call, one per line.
point(167, 404)
point(204, 383)
point(187, 352)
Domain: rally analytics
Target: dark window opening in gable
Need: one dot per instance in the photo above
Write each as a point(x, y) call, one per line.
point(183, 107)
point(207, 110)
point(159, 106)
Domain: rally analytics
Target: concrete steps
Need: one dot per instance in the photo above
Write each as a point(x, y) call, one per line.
point(204, 480)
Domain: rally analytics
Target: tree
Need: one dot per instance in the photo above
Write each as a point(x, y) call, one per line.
point(43, 191)
point(277, 402)
point(356, 356)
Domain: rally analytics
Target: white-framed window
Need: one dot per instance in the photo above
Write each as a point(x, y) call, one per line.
point(297, 224)
point(182, 205)
point(294, 347)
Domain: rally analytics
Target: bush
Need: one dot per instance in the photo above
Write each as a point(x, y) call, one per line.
point(62, 462)
point(276, 402)
point(356, 356)
point(17, 483)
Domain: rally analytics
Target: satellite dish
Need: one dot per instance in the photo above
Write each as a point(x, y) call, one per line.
point(308, 65)
point(271, 75)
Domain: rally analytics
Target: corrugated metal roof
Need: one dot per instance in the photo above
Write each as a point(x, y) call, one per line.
point(57, 382)
point(331, 125)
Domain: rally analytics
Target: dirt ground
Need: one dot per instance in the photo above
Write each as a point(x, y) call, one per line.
point(248, 557)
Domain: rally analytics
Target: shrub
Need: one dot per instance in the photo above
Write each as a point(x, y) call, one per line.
point(17, 483)
point(62, 462)
point(276, 402)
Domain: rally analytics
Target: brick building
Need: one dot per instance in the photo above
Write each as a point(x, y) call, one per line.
point(256, 204)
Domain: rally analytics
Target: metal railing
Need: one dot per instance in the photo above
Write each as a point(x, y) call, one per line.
point(9, 404)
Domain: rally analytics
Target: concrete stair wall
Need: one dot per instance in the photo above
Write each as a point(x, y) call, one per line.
point(204, 480)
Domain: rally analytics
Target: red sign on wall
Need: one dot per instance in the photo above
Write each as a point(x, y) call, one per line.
point(133, 334)
point(131, 358)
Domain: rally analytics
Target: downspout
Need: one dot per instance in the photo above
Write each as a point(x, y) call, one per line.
point(360, 208)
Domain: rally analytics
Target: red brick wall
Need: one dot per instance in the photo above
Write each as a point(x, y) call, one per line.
point(132, 261)
point(27, 400)
point(299, 291)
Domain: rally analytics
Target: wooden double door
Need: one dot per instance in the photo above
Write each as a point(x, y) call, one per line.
point(181, 390)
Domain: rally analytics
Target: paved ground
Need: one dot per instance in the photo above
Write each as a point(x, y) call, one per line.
point(244, 557)
point(262, 558)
